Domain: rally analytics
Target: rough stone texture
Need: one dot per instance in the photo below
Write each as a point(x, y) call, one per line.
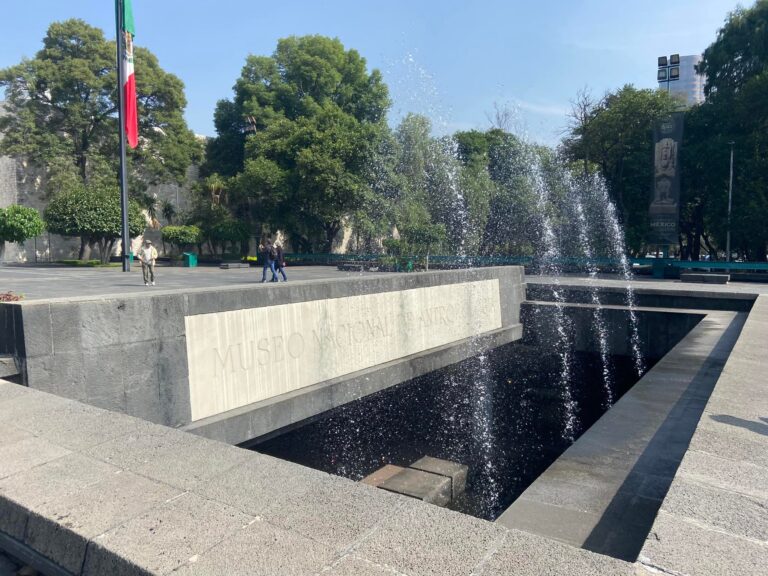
point(62, 528)
point(709, 523)
point(525, 554)
point(352, 566)
point(713, 520)
point(679, 546)
point(70, 347)
point(269, 549)
point(164, 538)
point(90, 511)
point(36, 486)
point(425, 486)
point(336, 512)
point(453, 470)
point(381, 475)
point(604, 492)
point(427, 540)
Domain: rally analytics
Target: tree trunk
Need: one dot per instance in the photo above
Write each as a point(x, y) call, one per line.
point(331, 230)
point(710, 248)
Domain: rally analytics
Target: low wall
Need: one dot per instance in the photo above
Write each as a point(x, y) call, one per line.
point(659, 329)
point(84, 491)
point(712, 521)
point(603, 492)
point(180, 357)
point(652, 297)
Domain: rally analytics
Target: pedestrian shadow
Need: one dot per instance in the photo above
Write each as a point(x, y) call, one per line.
point(756, 427)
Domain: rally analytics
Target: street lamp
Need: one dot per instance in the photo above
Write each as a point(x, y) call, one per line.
point(730, 198)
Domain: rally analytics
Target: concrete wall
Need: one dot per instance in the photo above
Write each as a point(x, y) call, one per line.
point(22, 184)
point(130, 354)
point(649, 297)
point(659, 329)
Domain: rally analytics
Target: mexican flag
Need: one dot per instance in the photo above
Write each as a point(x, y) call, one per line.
point(129, 78)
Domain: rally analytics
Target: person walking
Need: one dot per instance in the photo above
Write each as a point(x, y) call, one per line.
point(148, 256)
point(268, 256)
point(280, 262)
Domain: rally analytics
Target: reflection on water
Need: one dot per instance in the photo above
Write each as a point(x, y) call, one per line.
point(435, 415)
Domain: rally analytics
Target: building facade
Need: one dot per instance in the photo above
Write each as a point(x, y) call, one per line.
point(686, 84)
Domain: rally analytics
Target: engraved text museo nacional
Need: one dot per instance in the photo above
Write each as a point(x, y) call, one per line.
point(267, 351)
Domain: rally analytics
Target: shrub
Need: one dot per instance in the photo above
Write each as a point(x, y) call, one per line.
point(182, 236)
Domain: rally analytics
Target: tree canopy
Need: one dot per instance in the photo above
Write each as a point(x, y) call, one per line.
point(297, 138)
point(62, 112)
point(93, 213)
point(19, 223)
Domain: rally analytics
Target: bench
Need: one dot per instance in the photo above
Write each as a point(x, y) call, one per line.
point(232, 265)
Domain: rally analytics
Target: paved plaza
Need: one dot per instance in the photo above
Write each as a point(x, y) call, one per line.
point(38, 282)
point(679, 464)
point(43, 282)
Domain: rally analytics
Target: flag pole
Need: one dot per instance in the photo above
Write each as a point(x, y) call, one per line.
point(126, 239)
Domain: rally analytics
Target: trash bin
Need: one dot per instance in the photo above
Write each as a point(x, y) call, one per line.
point(130, 257)
point(190, 260)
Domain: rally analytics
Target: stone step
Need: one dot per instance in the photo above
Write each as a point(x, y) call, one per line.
point(453, 470)
point(8, 366)
point(430, 488)
point(382, 475)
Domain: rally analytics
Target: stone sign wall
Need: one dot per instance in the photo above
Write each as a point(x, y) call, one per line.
point(210, 356)
point(244, 356)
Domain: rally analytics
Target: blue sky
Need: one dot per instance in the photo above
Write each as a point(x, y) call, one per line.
point(452, 60)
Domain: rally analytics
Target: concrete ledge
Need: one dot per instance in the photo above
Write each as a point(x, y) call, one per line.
point(603, 493)
point(713, 520)
point(146, 499)
point(705, 278)
point(129, 353)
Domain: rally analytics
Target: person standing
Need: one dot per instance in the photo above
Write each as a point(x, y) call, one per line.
point(268, 256)
point(148, 256)
point(280, 262)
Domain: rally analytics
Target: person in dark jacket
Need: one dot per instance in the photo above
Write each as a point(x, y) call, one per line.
point(280, 262)
point(268, 257)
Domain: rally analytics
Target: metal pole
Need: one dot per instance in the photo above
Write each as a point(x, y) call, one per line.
point(126, 240)
point(730, 198)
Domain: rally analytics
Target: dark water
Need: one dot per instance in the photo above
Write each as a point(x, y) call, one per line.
point(501, 414)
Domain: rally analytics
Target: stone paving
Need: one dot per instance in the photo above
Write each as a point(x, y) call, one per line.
point(603, 493)
point(714, 519)
point(38, 282)
point(98, 493)
point(87, 491)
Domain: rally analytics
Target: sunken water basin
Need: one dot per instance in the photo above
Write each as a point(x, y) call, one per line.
point(502, 413)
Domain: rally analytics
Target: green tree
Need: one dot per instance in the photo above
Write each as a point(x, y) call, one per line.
point(62, 112)
point(298, 135)
point(736, 110)
point(618, 137)
point(19, 223)
point(182, 236)
point(93, 214)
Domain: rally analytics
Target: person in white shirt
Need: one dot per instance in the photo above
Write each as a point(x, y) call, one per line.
point(148, 255)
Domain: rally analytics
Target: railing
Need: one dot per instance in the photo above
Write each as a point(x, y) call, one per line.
point(565, 263)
